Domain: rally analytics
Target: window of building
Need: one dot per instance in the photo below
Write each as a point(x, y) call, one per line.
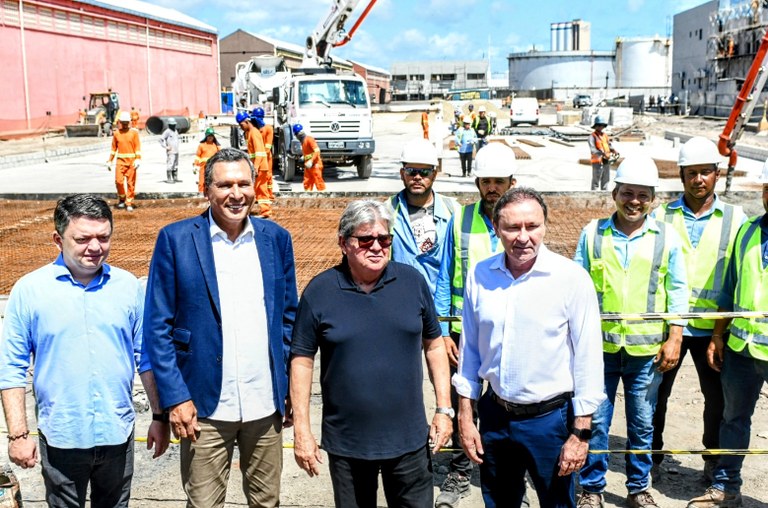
point(475, 76)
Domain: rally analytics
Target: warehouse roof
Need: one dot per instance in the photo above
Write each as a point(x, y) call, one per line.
point(151, 11)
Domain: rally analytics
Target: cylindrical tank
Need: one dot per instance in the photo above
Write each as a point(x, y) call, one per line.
point(560, 36)
point(157, 124)
point(580, 69)
point(643, 62)
point(568, 37)
point(553, 36)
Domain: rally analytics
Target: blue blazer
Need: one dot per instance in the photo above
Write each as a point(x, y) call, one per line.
point(182, 313)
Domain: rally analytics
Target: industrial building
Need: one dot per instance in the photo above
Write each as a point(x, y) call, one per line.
point(241, 45)
point(455, 79)
point(56, 52)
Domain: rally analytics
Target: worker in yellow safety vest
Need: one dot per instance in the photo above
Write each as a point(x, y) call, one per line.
point(707, 227)
point(126, 148)
point(471, 239)
point(742, 358)
point(637, 266)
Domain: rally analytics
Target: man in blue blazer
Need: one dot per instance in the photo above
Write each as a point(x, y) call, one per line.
point(220, 306)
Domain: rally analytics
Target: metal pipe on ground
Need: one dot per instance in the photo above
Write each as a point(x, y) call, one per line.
point(157, 124)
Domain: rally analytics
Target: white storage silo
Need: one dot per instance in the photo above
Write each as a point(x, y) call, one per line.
point(643, 62)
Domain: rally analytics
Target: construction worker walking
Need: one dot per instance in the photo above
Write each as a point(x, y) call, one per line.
point(742, 357)
point(170, 141)
point(208, 146)
point(602, 153)
point(707, 227)
point(471, 239)
point(637, 266)
point(313, 163)
point(465, 144)
point(425, 124)
point(134, 118)
point(126, 148)
point(258, 155)
point(268, 136)
point(483, 126)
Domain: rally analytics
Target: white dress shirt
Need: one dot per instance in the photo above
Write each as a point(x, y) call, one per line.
point(534, 337)
point(246, 384)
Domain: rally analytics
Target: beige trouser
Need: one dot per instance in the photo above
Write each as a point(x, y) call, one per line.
point(205, 464)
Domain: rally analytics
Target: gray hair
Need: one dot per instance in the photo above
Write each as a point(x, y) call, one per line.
point(516, 195)
point(80, 205)
point(363, 211)
point(227, 155)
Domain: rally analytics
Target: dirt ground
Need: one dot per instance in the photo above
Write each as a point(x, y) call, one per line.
point(25, 243)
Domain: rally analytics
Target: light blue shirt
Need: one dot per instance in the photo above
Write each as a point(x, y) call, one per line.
point(86, 342)
point(534, 337)
point(676, 282)
point(695, 226)
point(404, 247)
point(466, 138)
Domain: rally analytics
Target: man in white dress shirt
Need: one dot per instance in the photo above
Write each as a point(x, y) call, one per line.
point(531, 330)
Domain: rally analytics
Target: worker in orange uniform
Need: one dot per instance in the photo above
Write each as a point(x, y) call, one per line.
point(208, 146)
point(268, 136)
point(425, 124)
point(258, 155)
point(126, 147)
point(134, 118)
point(313, 163)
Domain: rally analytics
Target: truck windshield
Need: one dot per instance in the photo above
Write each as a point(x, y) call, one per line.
point(324, 93)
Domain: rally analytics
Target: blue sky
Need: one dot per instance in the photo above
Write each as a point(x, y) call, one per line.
point(403, 30)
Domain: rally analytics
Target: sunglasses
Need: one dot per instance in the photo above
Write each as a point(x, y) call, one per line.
point(366, 242)
point(422, 172)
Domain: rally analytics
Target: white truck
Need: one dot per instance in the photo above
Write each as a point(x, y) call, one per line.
point(332, 106)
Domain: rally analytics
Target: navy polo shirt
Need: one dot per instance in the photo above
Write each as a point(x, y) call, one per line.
point(370, 359)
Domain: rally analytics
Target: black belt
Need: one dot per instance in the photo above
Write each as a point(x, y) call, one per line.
point(535, 409)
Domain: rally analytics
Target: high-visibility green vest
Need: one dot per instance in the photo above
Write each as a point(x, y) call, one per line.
point(471, 244)
point(638, 289)
point(707, 264)
point(750, 294)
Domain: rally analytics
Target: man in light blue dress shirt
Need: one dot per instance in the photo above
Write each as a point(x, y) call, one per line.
point(78, 322)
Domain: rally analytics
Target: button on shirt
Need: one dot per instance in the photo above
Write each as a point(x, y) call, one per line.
point(246, 383)
point(534, 337)
point(86, 342)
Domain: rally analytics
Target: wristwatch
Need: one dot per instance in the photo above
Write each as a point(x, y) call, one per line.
point(584, 434)
point(446, 411)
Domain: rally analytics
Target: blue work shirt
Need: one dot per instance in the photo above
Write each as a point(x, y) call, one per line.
point(695, 228)
point(404, 247)
point(725, 300)
point(445, 274)
point(86, 342)
point(466, 139)
point(676, 282)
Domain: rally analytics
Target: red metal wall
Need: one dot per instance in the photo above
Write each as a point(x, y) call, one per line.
point(63, 66)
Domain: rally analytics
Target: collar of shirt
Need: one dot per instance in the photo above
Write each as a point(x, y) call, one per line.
point(542, 265)
point(680, 203)
point(649, 224)
point(61, 272)
point(246, 234)
point(345, 276)
point(440, 211)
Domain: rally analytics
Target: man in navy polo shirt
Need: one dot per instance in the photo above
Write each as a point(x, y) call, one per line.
point(370, 317)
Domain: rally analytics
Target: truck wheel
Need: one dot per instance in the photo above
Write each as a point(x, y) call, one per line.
point(287, 164)
point(364, 166)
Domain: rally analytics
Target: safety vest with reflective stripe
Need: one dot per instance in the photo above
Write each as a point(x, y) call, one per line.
point(471, 244)
point(751, 293)
point(708, 262)
point(599, 147)
point(256, 151)
point(126, 144)
point(640, 288)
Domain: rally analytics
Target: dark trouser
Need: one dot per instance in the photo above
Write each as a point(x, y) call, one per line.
point(466, 163)
point(709, 381)
point(516, 444)
point(407, 480)
point(460, 463)
point(601, 173)
point(67, 472)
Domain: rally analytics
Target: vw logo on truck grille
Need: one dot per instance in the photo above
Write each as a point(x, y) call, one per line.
point(335, 127)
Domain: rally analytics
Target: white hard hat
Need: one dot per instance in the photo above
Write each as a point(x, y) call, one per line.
point(495, 160)
point(638, 170)
point(125, 116)
point(467, 118)
point(698, 150)
point(481, 109)
point(419, 151)
point(764, 175)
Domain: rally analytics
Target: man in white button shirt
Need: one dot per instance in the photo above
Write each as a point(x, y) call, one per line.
point(221, 301)
point(531, 330)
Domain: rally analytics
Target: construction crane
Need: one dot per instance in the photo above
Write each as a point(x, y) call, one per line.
point(742, 108)
point(330, 33)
